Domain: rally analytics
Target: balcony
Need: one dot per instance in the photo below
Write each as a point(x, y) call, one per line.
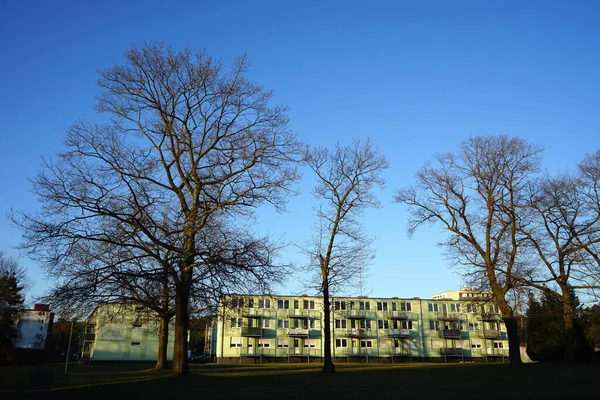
point(449, 333)
point(251, 313)
point(451, 351)
point(399, 332)
point(357, 333)
point(490, 317)
point(356, 314)
point(449, 316)
point(297, 313)
point(491, 334)
point(298, 332)
point(400, 315)
point(251, 331)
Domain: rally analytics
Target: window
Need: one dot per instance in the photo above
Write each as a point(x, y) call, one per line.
point(394, 307)
point(264, 303)
point(296, 304)
point(309, 304)
point(235, 342)
point(434, 325)
point(474, 326)
point(283, 304)
point(340, 324)
point(250, 303)
point(236, 322)
point(136, 344)
point(137, 324)
point(432, 307)
point(498, 345)
point(405, 307)
point(471, 308)
point(360, 324)
point(312, 324)
point(266, 323)
point(342, 343)
point(407, 324)
point(383, 324)
point(283, 343)
point(454, 307)
point(476, 343)
point(366, 343)
point(312, 343)
point(283, 323)
point(364, 305)
point(382, 306)
point(263, 343)
point(339, 305)
point(237, 303)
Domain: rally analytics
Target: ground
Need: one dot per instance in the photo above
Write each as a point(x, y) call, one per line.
point(303, 381)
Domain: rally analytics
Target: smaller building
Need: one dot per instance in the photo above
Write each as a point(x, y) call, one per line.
point(33, 327)
point(123, 332)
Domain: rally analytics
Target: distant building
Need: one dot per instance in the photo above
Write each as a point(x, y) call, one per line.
point(118, 332)
point(460, 325)
point(33, 327)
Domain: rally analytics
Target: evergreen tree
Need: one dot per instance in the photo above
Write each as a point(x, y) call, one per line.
point(11, 299)
point(545, 328)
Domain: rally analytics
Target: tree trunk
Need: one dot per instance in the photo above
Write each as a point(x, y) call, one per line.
point(514, 344)
point(163, 339)
point(328, 366)
point(180, 348)
point(568, 326)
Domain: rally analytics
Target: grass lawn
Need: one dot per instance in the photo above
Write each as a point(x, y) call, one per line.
point(304, 381)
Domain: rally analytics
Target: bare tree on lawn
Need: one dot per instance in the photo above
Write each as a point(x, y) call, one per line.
point(563, 230)
point(186, 140)
point(346, 179)
point(478, 196)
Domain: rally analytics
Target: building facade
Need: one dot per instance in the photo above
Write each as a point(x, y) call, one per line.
point(118, 332)
point(461, 325)
point(33, 327)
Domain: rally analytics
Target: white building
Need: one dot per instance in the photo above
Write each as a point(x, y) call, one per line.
point(33, 327)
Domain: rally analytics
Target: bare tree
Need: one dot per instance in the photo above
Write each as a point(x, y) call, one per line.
point(478, 196)
point(563, 230)
point(346, 178)
point(187, 142)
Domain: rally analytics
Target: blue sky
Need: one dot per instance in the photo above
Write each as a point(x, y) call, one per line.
point(416, 77)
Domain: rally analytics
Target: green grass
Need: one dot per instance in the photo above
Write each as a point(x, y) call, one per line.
point(304, 381)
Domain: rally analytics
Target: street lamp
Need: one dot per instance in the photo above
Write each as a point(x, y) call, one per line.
point(69, 347)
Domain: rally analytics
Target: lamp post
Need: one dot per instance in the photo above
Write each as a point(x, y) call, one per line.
point(69, 347)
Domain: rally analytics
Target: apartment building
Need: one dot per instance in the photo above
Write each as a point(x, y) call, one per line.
point(122, 332)
point(461, 325)
point(33, 327)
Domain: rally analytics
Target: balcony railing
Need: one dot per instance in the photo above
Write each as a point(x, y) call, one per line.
point(360, 332)
point(451, 351)
point(449, 316)
point(251, 331)
point(491, 334)
point(356, 314)
point(400, 315)
point(298, 313)
point(449, 333)
point(490, 317)
point(298, 332)
point(399, 332)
